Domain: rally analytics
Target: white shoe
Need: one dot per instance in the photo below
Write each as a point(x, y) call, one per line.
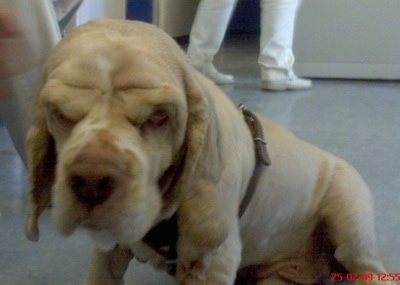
point(290, 83)
point(219, 78)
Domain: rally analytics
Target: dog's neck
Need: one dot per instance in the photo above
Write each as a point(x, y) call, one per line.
point(163, 237)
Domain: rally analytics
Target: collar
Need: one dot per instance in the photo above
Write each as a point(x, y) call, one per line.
point(163, 237)
point(262, 156)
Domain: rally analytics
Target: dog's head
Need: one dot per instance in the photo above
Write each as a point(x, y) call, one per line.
point(121, 127)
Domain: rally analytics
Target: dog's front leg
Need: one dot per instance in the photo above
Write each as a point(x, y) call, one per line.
point(216, 267)
point(108, 267)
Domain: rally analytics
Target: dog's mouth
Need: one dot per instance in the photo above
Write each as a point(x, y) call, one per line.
point(106, 237)
point(124, 218)
point(105, 231)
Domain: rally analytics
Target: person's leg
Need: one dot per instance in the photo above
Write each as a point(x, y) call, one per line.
point(276, 57)
point(208, 31)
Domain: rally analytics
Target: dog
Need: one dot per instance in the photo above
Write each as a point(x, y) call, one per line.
point(133, 145)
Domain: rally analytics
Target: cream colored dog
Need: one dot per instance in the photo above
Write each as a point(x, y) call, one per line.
point(127, 135)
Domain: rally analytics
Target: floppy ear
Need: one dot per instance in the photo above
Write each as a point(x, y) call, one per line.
point(41, 165)
point(199, 218)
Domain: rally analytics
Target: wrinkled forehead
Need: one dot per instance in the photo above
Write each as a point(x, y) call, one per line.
point(106, 68)
point(103, 61)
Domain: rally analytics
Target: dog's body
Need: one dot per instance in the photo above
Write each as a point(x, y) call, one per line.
point(126, 135)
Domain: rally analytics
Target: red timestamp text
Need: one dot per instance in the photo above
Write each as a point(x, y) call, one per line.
point(351, 277)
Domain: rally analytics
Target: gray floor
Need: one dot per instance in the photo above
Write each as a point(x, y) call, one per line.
point(357, 120)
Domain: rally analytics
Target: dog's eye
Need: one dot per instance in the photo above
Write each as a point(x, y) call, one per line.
point(60, 117)
point(158, 118)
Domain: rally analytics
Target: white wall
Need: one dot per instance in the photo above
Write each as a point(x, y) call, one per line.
point(348, 39)
point(115, 9)
point(91, 9)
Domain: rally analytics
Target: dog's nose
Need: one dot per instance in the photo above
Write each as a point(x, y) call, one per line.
point(93, 182)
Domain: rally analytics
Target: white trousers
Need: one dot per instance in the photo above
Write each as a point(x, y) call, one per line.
point(277, 29)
